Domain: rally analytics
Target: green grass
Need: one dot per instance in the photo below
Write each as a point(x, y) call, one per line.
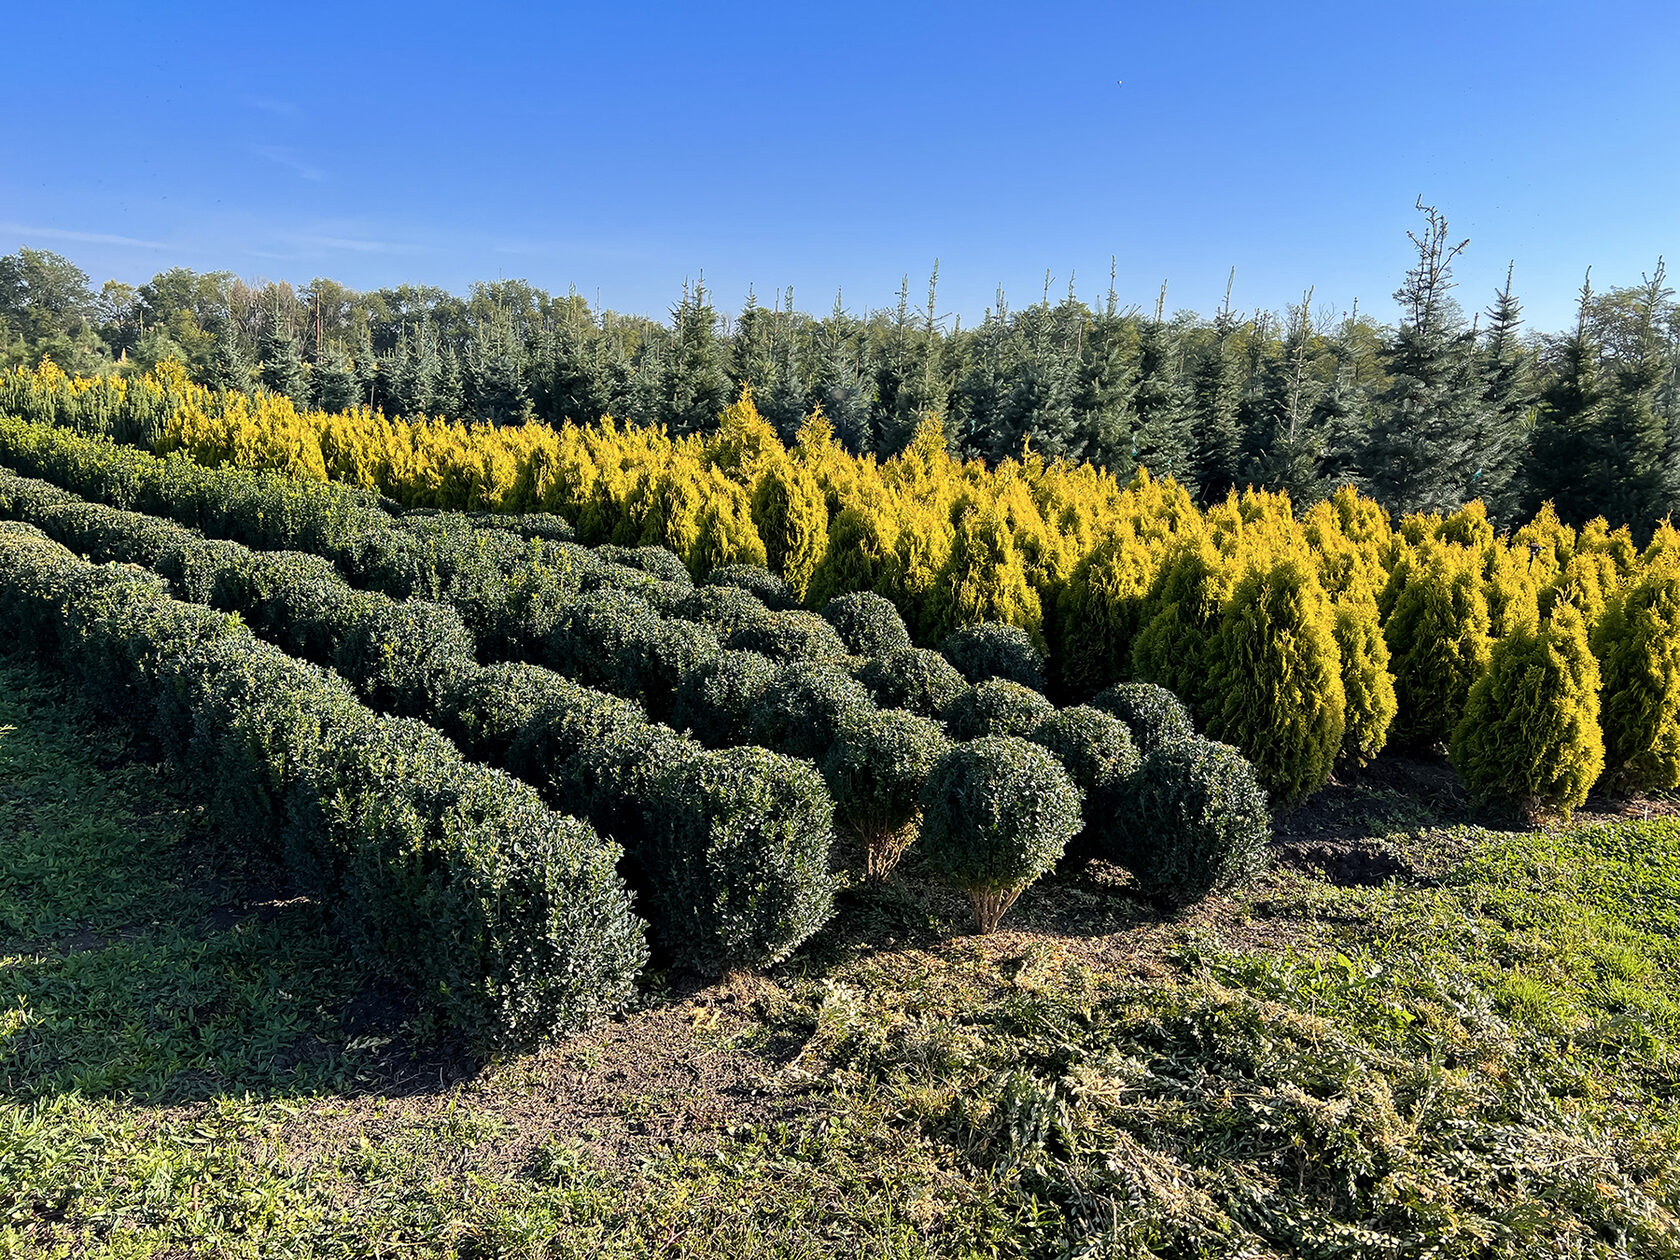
point(1478, 1058)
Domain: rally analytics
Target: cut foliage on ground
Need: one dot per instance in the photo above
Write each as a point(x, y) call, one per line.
point(1412, 1036)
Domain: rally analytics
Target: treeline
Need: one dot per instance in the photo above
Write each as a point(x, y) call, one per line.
point(1442, 408)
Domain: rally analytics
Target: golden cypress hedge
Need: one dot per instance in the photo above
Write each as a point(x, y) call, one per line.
point(1114, 580)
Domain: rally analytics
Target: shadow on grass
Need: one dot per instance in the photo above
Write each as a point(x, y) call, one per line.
point(141, 956)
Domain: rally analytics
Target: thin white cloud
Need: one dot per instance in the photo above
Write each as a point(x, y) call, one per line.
point(288, 157)
point(345, 242)
point(271, 105)
point(86, 238)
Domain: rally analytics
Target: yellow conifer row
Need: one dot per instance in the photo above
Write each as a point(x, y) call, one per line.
point(1392, 622)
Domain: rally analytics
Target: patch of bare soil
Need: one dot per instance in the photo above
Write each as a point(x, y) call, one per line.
point(669, 1075)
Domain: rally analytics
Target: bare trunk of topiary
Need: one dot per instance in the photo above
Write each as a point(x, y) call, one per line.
point(991, 904)
point(882, 849)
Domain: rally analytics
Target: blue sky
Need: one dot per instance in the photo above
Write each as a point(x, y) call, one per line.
point(622, 148)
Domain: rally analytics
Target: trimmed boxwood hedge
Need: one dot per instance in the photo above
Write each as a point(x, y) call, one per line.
point(995, 649)
point(918, 680)
point(614, 640)
point(804, 707)
point(1098, 753)
point(719, 702)
point(875, 770)
point(609, 637)
point(996, 814)
point(658, 562)
point(510, 922)
point(774, 593)
point(1154, 716)
point(730, 849)
point(1200, 822)
point(742, 843)
point(416, 657)
point(995, 707)
point(868, 624)
point(787, 636)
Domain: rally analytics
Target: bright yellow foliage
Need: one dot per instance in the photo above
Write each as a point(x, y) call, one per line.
point(1116, 580)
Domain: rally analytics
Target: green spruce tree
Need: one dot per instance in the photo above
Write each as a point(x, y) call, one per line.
point(1216, 392)
point(1421, 441)
point(1161, 433)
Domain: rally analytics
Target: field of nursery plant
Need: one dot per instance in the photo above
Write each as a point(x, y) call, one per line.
point(510, 840)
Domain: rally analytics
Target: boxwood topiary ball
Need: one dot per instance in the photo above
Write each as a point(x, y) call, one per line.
point(996, 814)
point(995, 649)
point(915, 679)
point(1200, 822)
point(1152, 714)
point(868, 624)
point(996, 707)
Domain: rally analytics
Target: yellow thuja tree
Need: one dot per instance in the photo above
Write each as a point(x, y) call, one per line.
point(560, 473)
point(835, 471)
point(1513, 595)
point(1468, 526)
point(1367, 683)
point(1637, 643)
point(922, 551)
point(983, 579)
point(1345, 567)
point(1546, 543)
point(861, 555)
point(1437, 630)
point(1179, 620)
point(1602, 562)
point(1076, 500)
point(1046, 556)
point(1100, 610)
point(791, 516)
point(744, 443)
point(924, 472)
point(1276, 690)
point(727, 534)
point(618, 472)
point(1530, 732)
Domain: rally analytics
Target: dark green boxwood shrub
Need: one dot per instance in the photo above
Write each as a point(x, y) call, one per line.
point(1153, 715)
point(875, 771)
point(995, 707)
point(613, 640)
point(719, 701)
point(22, 497)
point(1098, 753)
point(496, 707)
point(1200, 823)
point(744, 845)
point(510, 919)
point(302, 603)
point(772, 591)
point(546, 526)
point(211, 571)
point(251, 721)
point(406, 655)
point(868, 624)
point(787, 636)
point(724, 608)
point(805, 706)
point(996, 814)
point(658, 562)
point(510, 922)
point(918, 680)
point(995, 649)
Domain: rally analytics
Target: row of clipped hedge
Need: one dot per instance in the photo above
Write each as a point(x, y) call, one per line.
point(510, 922)
point(416, 657)
point(729, 849)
